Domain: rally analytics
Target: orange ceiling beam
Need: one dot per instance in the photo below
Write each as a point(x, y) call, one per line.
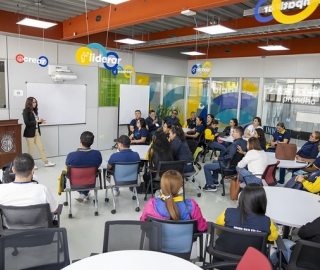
point(8, 23)
point(131, 13)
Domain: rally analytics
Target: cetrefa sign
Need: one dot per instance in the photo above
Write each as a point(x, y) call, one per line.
point(277, 6)
point(110, 60)
point(203, 70)
point(42, 61)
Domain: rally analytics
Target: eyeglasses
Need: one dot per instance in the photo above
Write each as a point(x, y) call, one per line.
point(174, 113)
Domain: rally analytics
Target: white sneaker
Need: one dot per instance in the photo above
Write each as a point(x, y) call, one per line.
point(116, 192)
point(280, 230)
point(35, 167)
point(81, 198)
point(49, 164)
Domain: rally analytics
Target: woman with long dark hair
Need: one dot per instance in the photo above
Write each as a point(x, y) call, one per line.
point(259, 134)
point(198, 130)
point(140, 134)
point(171, 205)
point(32, 130)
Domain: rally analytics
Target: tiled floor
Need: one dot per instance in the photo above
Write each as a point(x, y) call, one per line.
point(85, 231)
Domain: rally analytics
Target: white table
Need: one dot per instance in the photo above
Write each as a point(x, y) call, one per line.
point(142, 150)
point(291, 207)
point(288, 164)
point(230, 139)
point(133, 259)
point(186, 129)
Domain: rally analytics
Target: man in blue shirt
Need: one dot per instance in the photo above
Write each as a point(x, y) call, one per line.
point(173, 119)
point(133, 122)
point(212, 179)
point(152, 122)
point(125, 154)
point(84, 156)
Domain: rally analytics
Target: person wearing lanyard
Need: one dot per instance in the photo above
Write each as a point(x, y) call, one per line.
point(32, 130)
point(152, 122)
point(173, 119)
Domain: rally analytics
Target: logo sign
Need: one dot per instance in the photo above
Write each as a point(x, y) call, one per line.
point(277, 6)
point(299, 100)
point(6, 143)
point(110, 60)
point(203, 70)
point(42, 61)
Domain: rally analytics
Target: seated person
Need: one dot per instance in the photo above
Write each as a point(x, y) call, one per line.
point(22, 192)
point(84, 156)
point(229, 129)
point(255, 159)
point(180, 148)
point(309, 232)
point(308, 153)
point(210, 119)
point(166, 128)
point(212, 179)
point(250, 215)
point(140, 134)
point(173, 119)
point(191, 122)
point(259, 133)
point(310, 182)
point(197, 131)
point(280, 136)
point(152, 122)
point(210, 134)
point(315, 165)
point(133, 122)
point(125, 154)
point(171, 205)
point(256, 123)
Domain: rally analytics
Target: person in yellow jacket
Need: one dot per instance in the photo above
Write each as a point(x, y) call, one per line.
point(313, 187)
point(210, 134)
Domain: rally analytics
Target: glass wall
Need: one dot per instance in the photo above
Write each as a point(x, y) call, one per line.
point(3, 103)
point(174, 93)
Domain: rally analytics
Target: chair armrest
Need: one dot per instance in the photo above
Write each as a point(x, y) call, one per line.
point(280, 244)
point(58, 214)
point(99, 174)
point(219, 265)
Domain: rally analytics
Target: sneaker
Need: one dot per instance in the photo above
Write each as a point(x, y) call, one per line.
point(216, 183)
point(81, 198)
point(212, 188)
point(49, 164)
point(35, 167)
point(280, 229)
point(116, 192)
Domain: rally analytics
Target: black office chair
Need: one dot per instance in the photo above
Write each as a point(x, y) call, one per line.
point(38, 249)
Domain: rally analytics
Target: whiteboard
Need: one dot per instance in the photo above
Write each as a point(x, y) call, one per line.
point(60, 104)
point(132, 98)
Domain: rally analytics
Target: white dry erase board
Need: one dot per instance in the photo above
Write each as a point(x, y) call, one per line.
point(133, 97)
point(60, 104)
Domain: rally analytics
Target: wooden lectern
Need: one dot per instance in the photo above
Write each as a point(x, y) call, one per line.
point(10, 140)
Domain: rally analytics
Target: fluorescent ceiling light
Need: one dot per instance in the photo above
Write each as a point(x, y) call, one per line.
point(215, 29)
point(273, 48)
point(36, 23)
point(129, 41)
point(115, 2)
point(193, 53)
point(188, 12)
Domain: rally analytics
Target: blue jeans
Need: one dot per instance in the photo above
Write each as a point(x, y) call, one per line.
point(251, 179)
point(287, 254)
point(215, 167)
point(188, 168)
point(219, 146)
point(85, 192)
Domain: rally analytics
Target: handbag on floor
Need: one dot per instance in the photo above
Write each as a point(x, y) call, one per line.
point(235, 187)
point(286, 151)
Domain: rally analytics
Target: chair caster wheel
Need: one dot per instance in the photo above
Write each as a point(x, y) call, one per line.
point(145, 199)
point(93, 201)
point(134, 197)
point(113, 211)
point(70, 216)
point(199, 187)
point(15, 252)
point(137, 209)
point(199, 194)
point(96, 213)
point(106, 199)
point(223, 194)
point(65, 203)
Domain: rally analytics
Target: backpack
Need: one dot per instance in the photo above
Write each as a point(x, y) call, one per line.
point(8, 175)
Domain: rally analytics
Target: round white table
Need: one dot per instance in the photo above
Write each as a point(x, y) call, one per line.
point(288, 164)
point(133, 259)
point(230, 139)
point(142, 150)
point(291, 207)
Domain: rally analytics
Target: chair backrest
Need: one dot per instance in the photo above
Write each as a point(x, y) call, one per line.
point(15, 219)
point(253, 259)
point(82, 177)
point(35, 249)
point(305, 256)
point(165, 166)
point(126, 173)
point(131, 235)
point(223, 239)
point(192, 145)
point(269, 174)
point(177, 236)
point(235, 160)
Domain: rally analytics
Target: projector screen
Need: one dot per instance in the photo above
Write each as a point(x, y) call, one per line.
point(133, 97)
point(60, 104)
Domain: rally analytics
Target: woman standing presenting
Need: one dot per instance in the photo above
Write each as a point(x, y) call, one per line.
point(32, 130)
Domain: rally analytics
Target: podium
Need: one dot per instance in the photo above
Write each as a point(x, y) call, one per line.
point(10, 140)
